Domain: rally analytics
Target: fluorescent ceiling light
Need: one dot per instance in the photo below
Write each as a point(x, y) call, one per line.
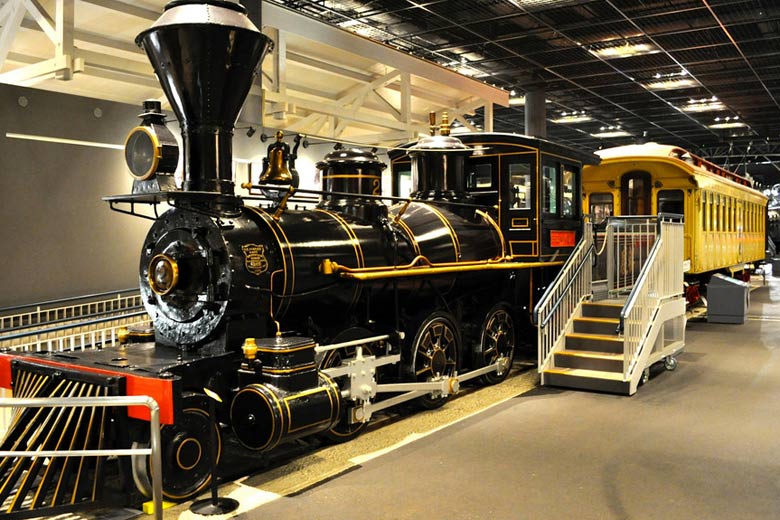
point(728, 124)
point(573, 118)
point(624, 50)
point(518, 101)
point(703, 106)
point(671, 84)
point(611, 133)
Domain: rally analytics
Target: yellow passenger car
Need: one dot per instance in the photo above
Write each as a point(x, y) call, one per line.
point(725, 218)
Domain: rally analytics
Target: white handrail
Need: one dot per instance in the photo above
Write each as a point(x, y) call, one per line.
point(41, 314)
point(92, 337)
point(570, 287)
point(628, 243)
point(103, 402)
point(660, 279)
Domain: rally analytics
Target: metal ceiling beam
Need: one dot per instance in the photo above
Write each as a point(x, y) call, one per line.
point(739, 50)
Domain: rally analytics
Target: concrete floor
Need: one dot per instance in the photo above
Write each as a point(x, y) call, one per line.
point(700, 442)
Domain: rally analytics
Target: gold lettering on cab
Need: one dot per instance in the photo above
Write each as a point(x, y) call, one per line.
point(254, 258)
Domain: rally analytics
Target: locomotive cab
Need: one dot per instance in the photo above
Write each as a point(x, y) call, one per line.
point(530, 186)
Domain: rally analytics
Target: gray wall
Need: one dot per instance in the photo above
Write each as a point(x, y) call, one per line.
point(58, 237)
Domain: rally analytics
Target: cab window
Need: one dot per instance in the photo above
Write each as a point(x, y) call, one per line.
point(550, 188)
point(520, 185)
point(568, 193)
point(481, 177)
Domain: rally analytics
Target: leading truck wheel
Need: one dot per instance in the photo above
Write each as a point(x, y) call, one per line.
point(185, 453)
point(497, 344)
point(435, 353)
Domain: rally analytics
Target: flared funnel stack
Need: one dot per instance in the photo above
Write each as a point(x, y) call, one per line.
point(205, 54)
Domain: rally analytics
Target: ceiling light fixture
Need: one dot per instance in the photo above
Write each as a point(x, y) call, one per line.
point(573, 117)
point(611, 131)
point(672, 84)
point(624, 50)
point(703, 105)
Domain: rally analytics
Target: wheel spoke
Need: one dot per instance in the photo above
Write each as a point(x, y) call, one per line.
point(424, 370)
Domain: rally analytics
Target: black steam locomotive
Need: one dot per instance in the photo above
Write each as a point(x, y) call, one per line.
point(300, 321)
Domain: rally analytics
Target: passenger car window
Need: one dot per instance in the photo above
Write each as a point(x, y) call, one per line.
point(671, 201)
point(601, 206)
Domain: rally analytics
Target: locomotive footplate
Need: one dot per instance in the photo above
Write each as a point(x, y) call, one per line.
point(147, 371)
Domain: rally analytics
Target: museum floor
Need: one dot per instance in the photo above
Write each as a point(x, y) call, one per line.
point(700, 442)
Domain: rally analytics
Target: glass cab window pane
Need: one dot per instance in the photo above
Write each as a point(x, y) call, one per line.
point(570, 174)
point(550, 189)
point(404, 176)
point(481, 177)
point(671, 201)
point(520, 186)
point(601, 206)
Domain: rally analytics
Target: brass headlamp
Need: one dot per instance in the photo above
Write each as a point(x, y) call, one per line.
point(151, 148)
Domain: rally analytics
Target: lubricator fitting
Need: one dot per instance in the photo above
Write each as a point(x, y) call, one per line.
point(249, 348)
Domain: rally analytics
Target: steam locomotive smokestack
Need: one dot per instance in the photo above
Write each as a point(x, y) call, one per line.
point(205, 53)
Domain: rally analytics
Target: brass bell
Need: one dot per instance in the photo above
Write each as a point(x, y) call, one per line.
point(276, 171)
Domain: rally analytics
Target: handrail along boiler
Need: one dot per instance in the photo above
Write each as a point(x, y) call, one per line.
point(414, 297)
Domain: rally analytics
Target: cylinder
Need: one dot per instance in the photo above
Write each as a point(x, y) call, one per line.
point(263, 416)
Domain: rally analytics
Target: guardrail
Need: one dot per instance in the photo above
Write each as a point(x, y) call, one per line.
point(628, 244)
point(660, 279)
point(51, 338)
point(573, 283)
point(104, 402)
point(41, 313)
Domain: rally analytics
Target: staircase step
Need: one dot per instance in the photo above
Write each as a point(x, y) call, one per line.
point(589, 361)
point(601, 310)
point(587, 380)
point(594, 342)
point(604, 326)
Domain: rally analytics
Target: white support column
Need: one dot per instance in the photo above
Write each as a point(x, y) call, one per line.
point(14, 14)
point(488, 123)
point(64, 13)
point(406, 101)
point(279, 68)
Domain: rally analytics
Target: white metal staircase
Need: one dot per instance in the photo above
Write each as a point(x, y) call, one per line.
point(607, 342)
